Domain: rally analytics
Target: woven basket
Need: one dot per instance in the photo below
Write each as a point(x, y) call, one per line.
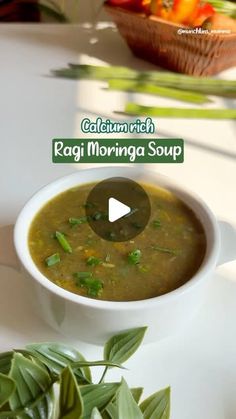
point(158, 41)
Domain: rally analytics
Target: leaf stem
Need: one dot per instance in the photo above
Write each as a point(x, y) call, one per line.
point(103, 375)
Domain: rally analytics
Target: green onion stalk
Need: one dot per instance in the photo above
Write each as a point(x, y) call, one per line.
point(223, 6)
point(152, 111)
point(201, 85)
point(152, 89)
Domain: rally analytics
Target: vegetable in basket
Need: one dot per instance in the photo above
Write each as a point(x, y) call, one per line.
point(179, 11)
point(213, 14)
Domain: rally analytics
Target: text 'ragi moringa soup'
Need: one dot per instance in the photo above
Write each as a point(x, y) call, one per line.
point(164, 256)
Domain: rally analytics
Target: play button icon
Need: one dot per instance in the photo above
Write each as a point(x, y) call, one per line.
point(118, 209)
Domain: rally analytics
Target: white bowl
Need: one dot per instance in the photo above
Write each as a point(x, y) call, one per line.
point(94, 320)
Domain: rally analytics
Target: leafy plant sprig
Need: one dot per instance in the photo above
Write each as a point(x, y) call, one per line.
point(28, 379)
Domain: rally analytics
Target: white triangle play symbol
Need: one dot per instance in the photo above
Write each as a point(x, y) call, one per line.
point(117, 210)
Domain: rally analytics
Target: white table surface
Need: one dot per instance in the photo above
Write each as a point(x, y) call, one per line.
point(200, 365)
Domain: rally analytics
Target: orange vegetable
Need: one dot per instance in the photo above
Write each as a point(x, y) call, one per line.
point(161, 8)
point(203, 12)
point(183, 10)
point(179, 11)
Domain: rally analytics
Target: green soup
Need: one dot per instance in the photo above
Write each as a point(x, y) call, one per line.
point(160, 259)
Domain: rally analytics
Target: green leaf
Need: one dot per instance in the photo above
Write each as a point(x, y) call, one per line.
point(96, 364)
point(98, 395)
point(157, 406)
point(33, 384)
point(127, 406)
point(5, 362)
point(71, 404)
point(96, 414)
point(7, 387)
point(6, 359)
point(137, 393)
point(57, 356)
point(122, 346)
point(112, 410)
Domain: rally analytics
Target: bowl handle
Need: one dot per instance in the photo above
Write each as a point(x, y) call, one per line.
point(8, 255)
point(228, 243)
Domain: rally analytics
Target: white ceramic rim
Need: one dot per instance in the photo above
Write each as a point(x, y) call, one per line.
point(138, 173)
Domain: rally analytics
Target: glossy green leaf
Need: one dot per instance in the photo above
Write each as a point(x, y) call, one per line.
point(71, 403)
point(5, 362)
point(6, 359)
point(28, 410)
point(127, 406)
point(33, 384)
point(7, 387)
point(112, 410)
point(96, 414)
point(96, 364)
point(57, 356)
point(98, 395)
point(122, 346)
point(157, 406)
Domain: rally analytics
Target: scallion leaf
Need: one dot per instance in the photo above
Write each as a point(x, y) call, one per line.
point(93, 286)
point(53, 260)
point(93, 261)
point(100, 216)
point(165, 250)
point(77, 221)
point(63, 242)
point(156, 223)
point(97, 216)
point(134, 257)
point(225, 7)
point(83, 275)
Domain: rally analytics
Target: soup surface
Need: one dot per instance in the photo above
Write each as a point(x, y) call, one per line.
point(160, 259)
